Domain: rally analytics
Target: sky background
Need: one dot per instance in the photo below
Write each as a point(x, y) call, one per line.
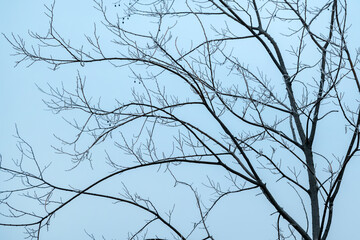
point(21, 104)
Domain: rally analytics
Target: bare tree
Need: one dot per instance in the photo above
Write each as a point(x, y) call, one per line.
point(261, 120)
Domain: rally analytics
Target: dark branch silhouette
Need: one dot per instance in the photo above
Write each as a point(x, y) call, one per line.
point(264, 118)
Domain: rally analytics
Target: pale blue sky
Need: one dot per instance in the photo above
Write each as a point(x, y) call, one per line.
point(21, 104)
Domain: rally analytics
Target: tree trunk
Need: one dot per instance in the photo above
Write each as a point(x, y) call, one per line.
point(313, 193)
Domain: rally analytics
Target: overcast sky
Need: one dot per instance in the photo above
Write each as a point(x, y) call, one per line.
point(21, 104)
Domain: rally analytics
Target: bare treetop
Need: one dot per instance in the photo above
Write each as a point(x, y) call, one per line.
point(250, 88)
